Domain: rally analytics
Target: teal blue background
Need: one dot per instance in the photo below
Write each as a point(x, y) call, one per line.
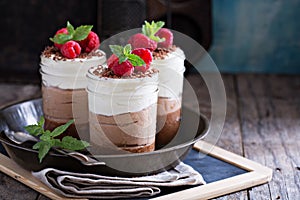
point(256, 36)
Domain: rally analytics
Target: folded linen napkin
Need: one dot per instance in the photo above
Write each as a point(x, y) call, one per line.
point(80, 185)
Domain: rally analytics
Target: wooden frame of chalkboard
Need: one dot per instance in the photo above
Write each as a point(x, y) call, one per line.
point(255, 174)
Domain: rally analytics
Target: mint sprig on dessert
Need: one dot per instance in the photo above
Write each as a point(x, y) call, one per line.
point(151, 29)
point(71, 42)
point(48, 138)
point(124, 53)
point(153, 36)
point(78, 34)
point(124, 61)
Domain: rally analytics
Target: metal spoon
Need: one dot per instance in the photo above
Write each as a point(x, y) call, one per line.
point(19, 137)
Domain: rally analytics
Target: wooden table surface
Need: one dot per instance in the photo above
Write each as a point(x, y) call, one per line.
point(262, 124)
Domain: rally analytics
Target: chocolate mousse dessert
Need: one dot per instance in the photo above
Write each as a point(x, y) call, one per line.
point(122, 102)
point(63, 69)
point(169, 60)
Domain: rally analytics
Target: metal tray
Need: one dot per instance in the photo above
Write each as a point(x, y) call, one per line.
point(193, 128)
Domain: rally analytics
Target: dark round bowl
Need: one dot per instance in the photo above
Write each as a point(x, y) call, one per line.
point(193, 128)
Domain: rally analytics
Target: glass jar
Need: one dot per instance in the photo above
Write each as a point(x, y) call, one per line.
point(171, 69)
point(122, 112)
point(64, 92)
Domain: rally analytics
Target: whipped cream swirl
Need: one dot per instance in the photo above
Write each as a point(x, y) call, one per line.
point(171, 69)
point(110, 96)
point(68, 73)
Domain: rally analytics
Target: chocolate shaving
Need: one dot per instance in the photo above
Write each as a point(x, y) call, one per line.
point(162, 53)
point(55, 52)
point(108, 73)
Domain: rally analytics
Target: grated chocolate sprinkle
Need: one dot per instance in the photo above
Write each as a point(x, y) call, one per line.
point(162, 53)
point(55, 52)
point(101, 71)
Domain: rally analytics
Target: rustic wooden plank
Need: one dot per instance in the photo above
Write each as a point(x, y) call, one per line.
point(11, 189)
point(269, 107)
point(12, 93)
point(10, 168)
point(230, 138)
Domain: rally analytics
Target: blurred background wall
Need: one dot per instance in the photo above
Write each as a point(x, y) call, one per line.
point(256, 36)
point(241, 36)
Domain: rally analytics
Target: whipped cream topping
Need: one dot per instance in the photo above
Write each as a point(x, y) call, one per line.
point(171, 69)
point(109, 96)
point(68, 73)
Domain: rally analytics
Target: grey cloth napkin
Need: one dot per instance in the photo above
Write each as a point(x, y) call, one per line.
point(79, 185)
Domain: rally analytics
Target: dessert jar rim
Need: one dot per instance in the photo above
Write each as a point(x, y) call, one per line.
point(92, 76)
point(76, 59)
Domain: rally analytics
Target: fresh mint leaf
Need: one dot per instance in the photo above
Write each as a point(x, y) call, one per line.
point(70, 28)
point(56, 142)
point(122, 58)
point(48, 140)
point(127, 49)
point(34, 130)
point(59, 130)
point(117, 50)
point(136, 60)
point(37, 145)
point(78, 34)
point(146, 28)
point(74, 144)
point(46, 136)
point(157, 25)
point(44, 148)
point(151, 29)
point(41, 122)
point(61, 38)
point(82, 32)
point(124, 53)
point(157, 39)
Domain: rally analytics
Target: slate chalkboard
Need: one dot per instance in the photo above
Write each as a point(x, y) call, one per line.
point(212, 169)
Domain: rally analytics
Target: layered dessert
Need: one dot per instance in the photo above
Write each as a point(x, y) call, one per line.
point(122, 99)
point(169, 60)
point(63, 69)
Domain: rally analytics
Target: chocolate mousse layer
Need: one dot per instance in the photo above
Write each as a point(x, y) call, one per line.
point(168, 120)
point(131, 132)
point(62, 105)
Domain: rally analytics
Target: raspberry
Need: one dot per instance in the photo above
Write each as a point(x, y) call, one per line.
point(112, 60)
point(168, 35)
point(143, 68)
point(140, 40)
point(70, 49)
point(90, 43)
point(123, 69)
point(64, 31)
point(145, 54)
